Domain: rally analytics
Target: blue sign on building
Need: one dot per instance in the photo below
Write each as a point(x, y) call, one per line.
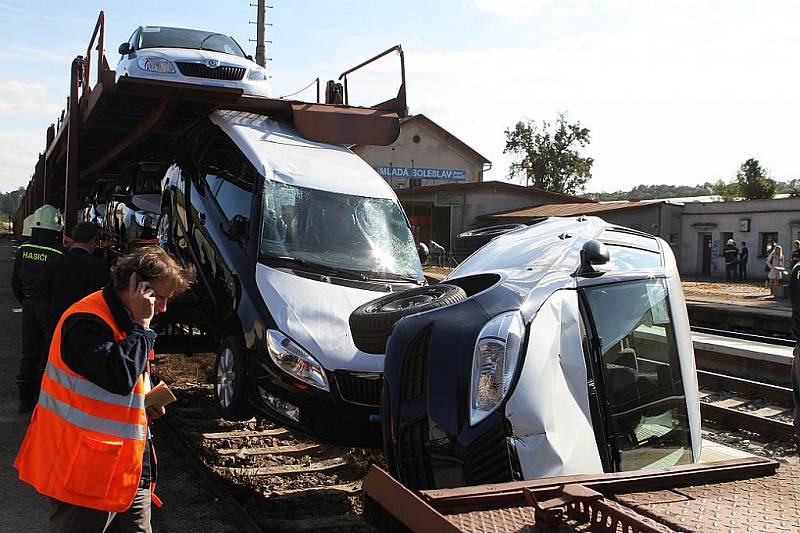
point(450, 174)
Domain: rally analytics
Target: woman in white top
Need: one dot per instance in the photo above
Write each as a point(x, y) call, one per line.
point(776, 266)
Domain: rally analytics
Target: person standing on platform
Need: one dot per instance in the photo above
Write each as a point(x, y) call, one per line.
point(795, 257)
point(29, 284)
point(731, 257)
point(88, 446)
point(77, 273)
point(775, 262)
point(744, 254)
point(794, 295)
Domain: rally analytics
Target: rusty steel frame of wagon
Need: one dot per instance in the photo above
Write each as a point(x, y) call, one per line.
point(106, 123)
point(583, 499)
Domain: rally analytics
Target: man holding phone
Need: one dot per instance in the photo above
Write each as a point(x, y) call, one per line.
point(88, 446)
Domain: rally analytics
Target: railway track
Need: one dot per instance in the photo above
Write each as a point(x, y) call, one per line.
point(269, 478)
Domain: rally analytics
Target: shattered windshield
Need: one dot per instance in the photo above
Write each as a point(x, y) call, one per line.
point(163, 37)
point(353, 233)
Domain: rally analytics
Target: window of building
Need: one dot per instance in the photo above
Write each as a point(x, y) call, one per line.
point(766, 241)
point(724, 237)
point(673, 239)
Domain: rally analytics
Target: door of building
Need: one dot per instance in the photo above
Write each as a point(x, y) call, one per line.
point(440, 232)
point(706, 254)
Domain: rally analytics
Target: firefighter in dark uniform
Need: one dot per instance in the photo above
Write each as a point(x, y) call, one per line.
point(28, 283)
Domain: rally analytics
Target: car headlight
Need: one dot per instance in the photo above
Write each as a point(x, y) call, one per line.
point(494, 363)
point(257, 74)
point(155, 64)
point(295, 361)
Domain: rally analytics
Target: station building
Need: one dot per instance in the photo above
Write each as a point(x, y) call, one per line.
point(706, 227)
point(425, 154)
point(439, 180)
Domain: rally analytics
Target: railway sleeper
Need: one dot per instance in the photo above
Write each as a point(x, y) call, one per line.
point(286, 470)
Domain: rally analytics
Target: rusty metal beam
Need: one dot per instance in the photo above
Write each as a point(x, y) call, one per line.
point(145, 127)
point(73, 134)
point(403, 504)
point(343, 125)
point(510, 494)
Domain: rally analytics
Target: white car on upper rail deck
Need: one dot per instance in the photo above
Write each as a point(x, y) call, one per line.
point(191, 56)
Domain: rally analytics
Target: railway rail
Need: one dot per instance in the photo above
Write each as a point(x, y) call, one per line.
point(269, 478)
point(739, 402)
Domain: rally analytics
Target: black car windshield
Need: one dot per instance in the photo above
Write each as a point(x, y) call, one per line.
point(162, 37)
point(340, 231)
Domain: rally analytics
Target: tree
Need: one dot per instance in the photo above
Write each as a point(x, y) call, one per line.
point(728, 191)
point(548, 157)
point(754, 184)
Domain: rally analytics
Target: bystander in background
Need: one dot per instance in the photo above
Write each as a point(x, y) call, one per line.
point(795, 257)
point(744, 254)
point(77, 273)
point(731, 257)
point(775, 264)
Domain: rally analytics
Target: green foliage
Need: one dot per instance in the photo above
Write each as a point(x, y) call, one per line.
point(754, 184)
point(728, 191)
point(10, 201)
point(651, 192)
point(791, 188)
point(548, 156)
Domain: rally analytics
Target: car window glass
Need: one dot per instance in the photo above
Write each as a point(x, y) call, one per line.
point(216, 160)
point(235, 193)
point(624, 238)
point(641, 373)
point(624, 258)
point(165, 37)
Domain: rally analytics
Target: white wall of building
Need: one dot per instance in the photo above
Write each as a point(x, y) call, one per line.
point(765, 217)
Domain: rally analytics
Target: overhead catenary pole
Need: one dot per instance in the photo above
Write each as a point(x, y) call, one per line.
point(261, 23)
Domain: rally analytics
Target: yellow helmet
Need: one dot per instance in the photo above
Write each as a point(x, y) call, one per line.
point(47, 217)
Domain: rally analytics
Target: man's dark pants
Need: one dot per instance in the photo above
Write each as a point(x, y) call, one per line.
point(730, 271)
point(35, 342)
point(71, 518)
point(742, 271)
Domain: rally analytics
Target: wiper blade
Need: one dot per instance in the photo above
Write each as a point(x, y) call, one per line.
point(317, 267)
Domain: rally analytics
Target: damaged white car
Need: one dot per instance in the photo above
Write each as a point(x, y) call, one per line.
point(560, 348)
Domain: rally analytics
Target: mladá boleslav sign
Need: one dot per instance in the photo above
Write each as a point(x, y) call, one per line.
point(453, 174)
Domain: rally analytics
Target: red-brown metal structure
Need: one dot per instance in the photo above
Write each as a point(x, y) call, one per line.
point(115, 122)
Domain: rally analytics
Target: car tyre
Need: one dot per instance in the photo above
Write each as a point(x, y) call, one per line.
point(372, 323)
point(469, 242)
point(164, 230)
point(230, 387)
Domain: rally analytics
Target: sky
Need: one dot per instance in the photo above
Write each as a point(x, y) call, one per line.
point(676, 92)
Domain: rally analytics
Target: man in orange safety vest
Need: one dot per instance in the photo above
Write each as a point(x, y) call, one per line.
point(88, 446)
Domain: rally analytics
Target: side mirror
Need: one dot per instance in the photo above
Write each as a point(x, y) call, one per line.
point(125, 48)
point(248, 56)
point(423, 252)
point(593, 253)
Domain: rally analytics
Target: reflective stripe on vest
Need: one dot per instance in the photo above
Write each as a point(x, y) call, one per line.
point(88, 389)
point(84, 420)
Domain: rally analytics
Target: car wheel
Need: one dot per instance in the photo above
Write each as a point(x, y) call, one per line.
point(469, 242)
point(164, 230)
point(372, 323)
point(230, 387)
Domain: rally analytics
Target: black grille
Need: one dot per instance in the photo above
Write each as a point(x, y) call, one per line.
point(359, 389)
point(488, 458)
point(413, 456)
point(199, 70)
point(414, 375)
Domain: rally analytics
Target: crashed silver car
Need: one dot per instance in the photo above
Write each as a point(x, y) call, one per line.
point(559, 348)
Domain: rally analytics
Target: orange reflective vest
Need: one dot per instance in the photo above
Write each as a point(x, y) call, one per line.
point(84, 445)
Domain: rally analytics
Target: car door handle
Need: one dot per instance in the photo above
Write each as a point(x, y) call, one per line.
point(202, 217)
